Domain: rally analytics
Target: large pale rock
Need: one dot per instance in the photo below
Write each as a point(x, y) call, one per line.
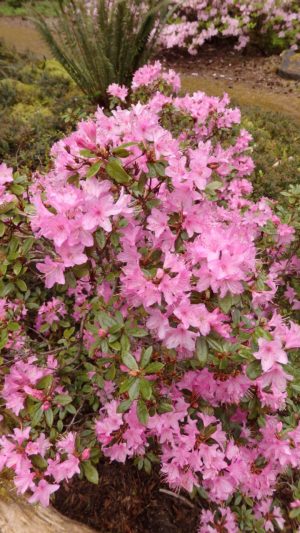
point(290, 66)
point(18, 516)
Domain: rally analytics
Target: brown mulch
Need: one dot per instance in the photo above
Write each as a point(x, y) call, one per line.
point(126, 501)
point(221, 62)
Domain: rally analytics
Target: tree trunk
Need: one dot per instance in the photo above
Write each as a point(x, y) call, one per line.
point(18, 516)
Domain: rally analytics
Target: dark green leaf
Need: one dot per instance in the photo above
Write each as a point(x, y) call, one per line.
point(115, 170)
point(201, 350)
point(254, 370)
point(124, 406)
point(134, 390)
point(130, 361)
point(146, 389)
point(154, 367)
point(146, 357)
point(63, 399)
point(137, 332)
point(90, 472)
point(142, 412)
point(21, 285)
point(92, 171)
point(45, 382)
point(49, 417)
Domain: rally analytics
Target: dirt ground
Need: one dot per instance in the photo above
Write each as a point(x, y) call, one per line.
point(127, 501)
point(221, 62)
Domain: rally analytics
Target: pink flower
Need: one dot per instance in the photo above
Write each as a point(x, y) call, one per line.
point(24, 481)
point(292, 337)
point(270, 352)
point(68, 443)
point(54, 272)
point(6, 174)
point(42, 493)
point(119, 91)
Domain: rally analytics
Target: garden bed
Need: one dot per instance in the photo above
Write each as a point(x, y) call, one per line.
point(127, 501)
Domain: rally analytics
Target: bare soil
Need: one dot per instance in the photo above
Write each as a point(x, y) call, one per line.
point(127, 501)
point(219, 61)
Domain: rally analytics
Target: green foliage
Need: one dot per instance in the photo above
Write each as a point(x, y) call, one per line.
point(39, 103)
point(21, 7)
point(276, 151)
point(102, 46)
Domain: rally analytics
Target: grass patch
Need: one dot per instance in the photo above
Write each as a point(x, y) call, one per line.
point(20, 8)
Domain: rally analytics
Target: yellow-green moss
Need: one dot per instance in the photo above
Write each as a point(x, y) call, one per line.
point(28, 112)
point(21, 92)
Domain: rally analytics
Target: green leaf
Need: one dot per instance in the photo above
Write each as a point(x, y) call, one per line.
point(226, 303)
point(90, 472)
point(68, 333)
point(154, 367)
point(146, 357)
point(124, 406)
point(2, 229)
point(6, 206)
point(142, 412)
point(111, 373)
point(21, 285)
point(213, 186)
point(49, 417)
point(17, 268)
point(63, 399)
point(125, 344)
point(17, 189)
point(254, 370)
point(147, 466)
point(137, 332)
point(146, 389)
point(214, 344)
point(5, 289)
point(201, 350)
point(126, 384)
point(115, 170)
point(100, 238)
point(134, 390)
point(92, 171)
point(44, 383)
point(13, 326)
point(165, 407)
point(39, 461)
point(129, 361)
point(87, 153)
point(295, 513)
point(121, 152)
point(37, 415)
point(123, 146)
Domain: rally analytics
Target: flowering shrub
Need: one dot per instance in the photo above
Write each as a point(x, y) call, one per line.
point(140, 310)
point(271, 24)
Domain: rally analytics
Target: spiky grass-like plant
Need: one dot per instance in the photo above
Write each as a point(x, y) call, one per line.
point(99, 42)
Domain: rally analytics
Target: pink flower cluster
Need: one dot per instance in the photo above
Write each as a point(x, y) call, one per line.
point(18, 451)
point(197, 21)
point(173, 339)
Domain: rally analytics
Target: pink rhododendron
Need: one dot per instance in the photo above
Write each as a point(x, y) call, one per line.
point(197, 21)
point(157, 325)
point(119, 91)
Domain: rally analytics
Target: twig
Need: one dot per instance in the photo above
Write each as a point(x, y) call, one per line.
point(178, 496)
